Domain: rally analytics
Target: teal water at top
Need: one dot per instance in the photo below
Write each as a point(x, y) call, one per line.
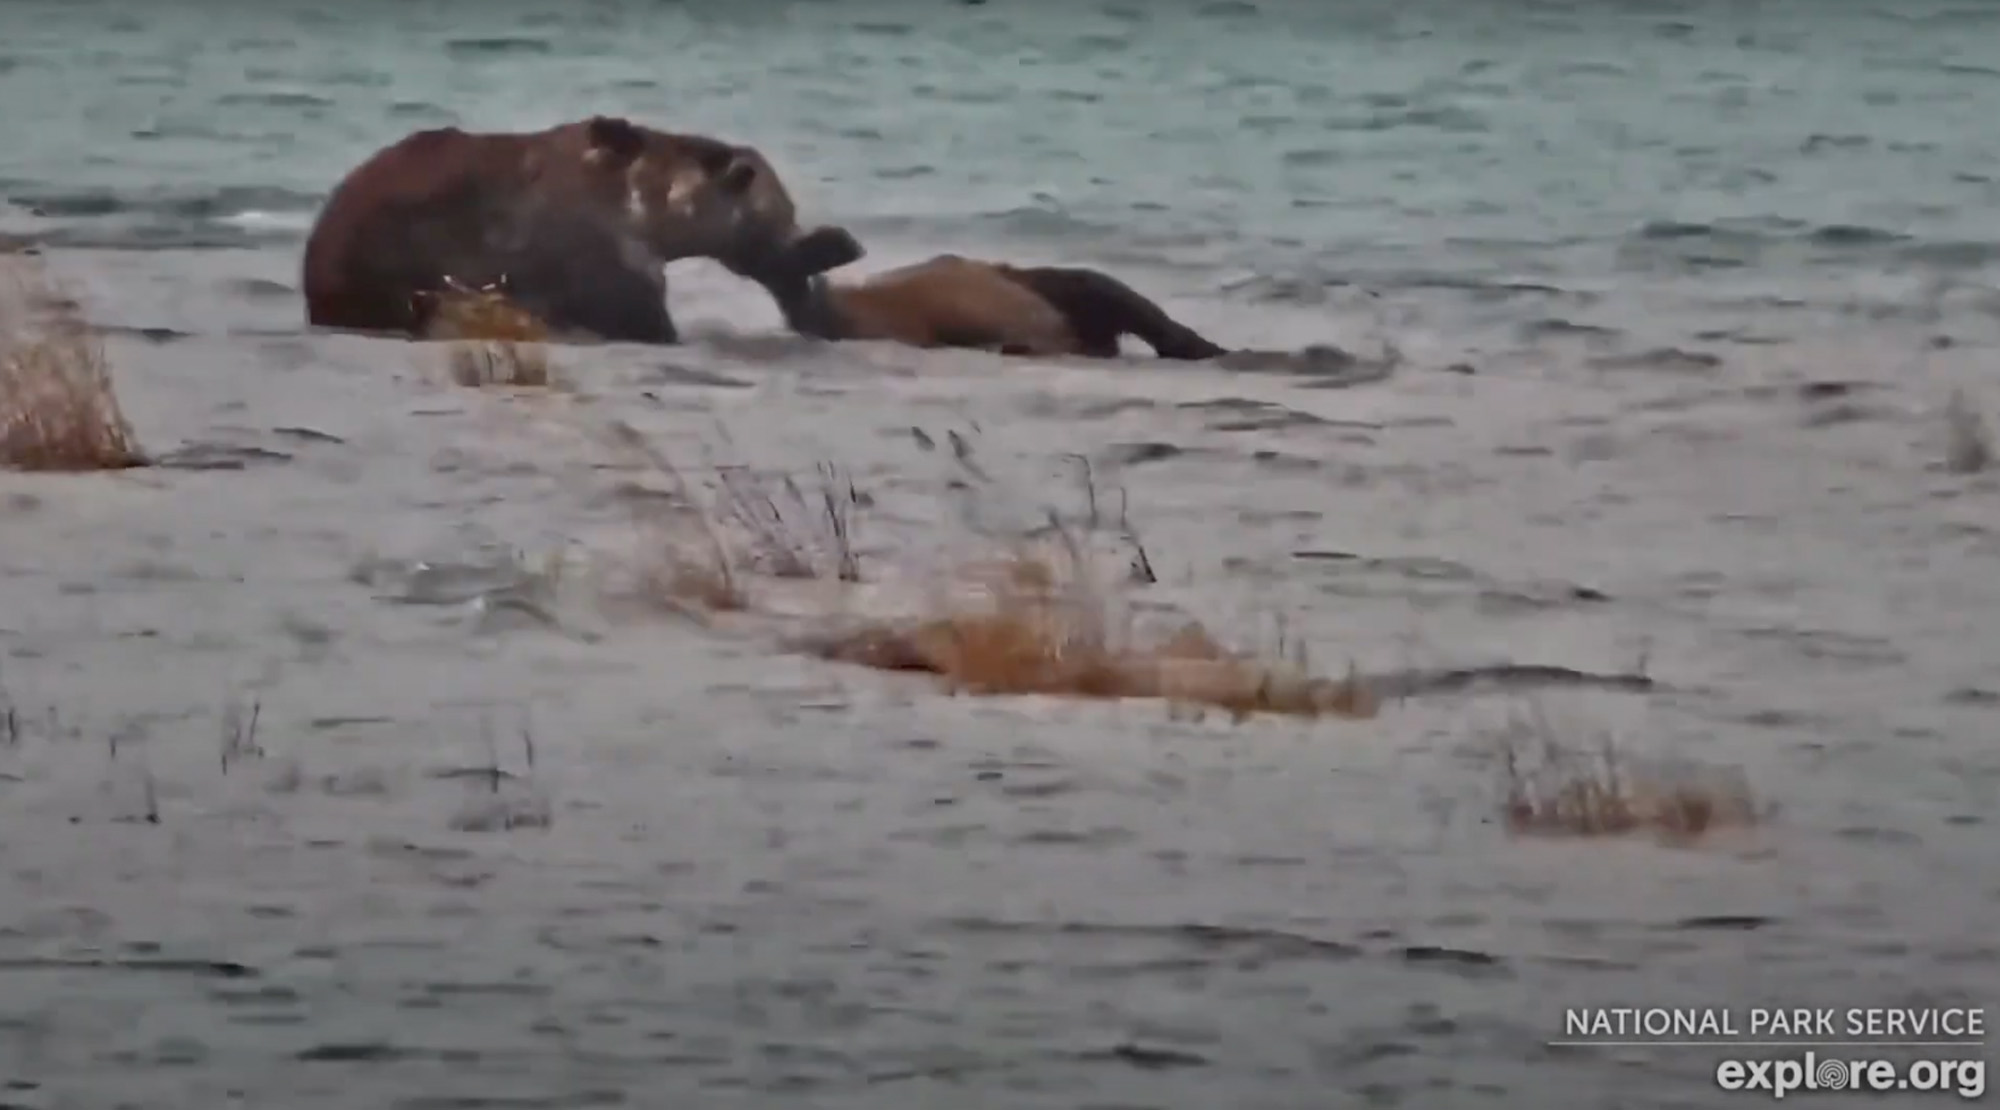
point(1383, 143)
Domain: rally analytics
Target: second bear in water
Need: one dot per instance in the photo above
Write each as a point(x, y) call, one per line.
point(951, 301)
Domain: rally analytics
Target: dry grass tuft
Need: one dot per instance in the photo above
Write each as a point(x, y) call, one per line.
point(688, 578)
point(786, 532)
point(1033, 630)
point(59, 407)
point(1033, 622)
point(706, 540)
point(496, 342)
point(1552, 788)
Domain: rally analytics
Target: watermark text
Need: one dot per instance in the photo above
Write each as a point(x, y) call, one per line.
point(1813, 1072)
point(1795, 1026)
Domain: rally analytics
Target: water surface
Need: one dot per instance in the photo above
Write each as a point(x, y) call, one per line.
point(1680, 291)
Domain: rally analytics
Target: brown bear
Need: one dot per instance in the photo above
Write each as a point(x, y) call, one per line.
point(951, 301)
point(575, 222)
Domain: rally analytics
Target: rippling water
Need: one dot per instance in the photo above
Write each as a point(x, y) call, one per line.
point(1679, 289)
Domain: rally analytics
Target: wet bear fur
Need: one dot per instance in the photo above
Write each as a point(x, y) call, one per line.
point(952, 301)
point(576, 222)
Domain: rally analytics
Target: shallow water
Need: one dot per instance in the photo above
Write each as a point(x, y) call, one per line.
point(1680, 292)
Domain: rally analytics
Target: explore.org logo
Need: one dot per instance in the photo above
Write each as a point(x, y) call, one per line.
point(1964, 1078)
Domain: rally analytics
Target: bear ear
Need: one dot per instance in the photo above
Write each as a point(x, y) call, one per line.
point(733, 168)
point(613, 141)
point(823, 249)
point(739, 174)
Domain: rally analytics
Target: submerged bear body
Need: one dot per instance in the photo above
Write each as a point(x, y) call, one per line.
point(952, 301)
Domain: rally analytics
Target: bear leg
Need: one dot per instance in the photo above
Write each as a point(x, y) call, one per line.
point(1100, 309)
